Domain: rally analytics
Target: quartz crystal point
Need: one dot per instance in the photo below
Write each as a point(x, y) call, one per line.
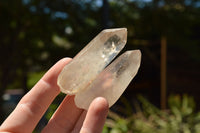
point(112, 81)
point(89, 62)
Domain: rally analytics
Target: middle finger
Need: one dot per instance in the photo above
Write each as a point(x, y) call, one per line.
point(65, 117)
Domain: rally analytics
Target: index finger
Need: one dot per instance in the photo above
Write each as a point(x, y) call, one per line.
point(33, 105)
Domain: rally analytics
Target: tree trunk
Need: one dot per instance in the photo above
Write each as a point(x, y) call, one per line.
point(163, 72)
point(24, 81)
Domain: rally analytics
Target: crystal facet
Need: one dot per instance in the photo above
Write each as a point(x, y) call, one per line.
point(112, 81)
point(90, 61)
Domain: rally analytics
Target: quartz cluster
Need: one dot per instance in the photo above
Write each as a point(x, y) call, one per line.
point(89, 74)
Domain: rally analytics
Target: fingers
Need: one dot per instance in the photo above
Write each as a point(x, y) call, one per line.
point(69, 119)
point(96, 116)
point(34, 104)
point(64, 118)
point(79, 123)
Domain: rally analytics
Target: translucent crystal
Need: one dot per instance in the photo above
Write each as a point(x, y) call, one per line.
point(112, 81)
point(89, 62)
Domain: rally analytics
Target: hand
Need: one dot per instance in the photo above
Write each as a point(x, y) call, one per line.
point(67, 118)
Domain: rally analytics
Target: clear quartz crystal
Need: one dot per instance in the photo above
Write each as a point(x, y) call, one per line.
point(89, 62)
point(112, 81)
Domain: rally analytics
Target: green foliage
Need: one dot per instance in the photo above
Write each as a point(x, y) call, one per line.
point(116, 124)
point(52, 108)
point(179, 118)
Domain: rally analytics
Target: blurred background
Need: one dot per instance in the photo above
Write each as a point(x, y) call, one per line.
point(35, 34)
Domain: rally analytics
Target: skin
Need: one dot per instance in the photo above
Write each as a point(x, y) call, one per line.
point(66, 119)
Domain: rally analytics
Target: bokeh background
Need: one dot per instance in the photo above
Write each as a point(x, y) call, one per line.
point(35, 34)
